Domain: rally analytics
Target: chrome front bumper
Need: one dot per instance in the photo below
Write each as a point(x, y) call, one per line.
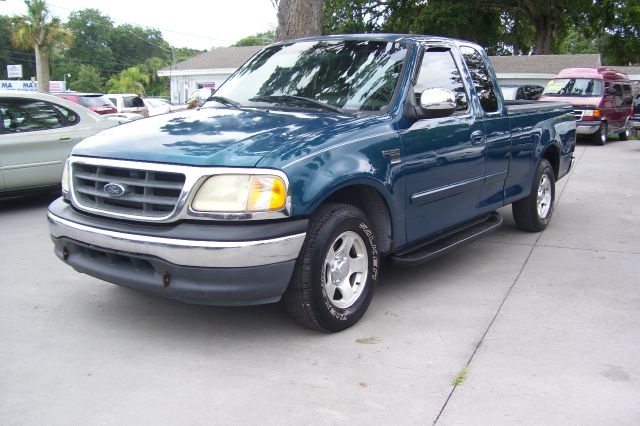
point(583, 128)
point(194, 253)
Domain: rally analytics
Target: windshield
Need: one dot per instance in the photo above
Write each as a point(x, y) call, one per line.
point(573, 87)
point(350, 75)
point(94, 101)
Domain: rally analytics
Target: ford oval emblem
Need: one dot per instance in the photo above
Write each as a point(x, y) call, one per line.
point(115, 189)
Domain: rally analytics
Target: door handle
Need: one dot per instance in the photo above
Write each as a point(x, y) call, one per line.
point(477, 138)
point(65, 139)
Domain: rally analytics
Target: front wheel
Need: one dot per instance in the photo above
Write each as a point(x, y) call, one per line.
point(336, 272)
point(533, 213)
point(601, 136)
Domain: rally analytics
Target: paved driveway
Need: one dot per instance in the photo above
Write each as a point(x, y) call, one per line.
point(547, 328)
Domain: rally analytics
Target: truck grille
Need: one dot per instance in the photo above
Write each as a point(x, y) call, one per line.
point(146, 193)
point(578, 113)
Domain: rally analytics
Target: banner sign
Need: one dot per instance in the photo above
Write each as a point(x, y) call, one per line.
point(31, 86)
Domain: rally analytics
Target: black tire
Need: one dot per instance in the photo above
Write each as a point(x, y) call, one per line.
point(525, 211)
point(601, 136)
point(306, 298)
point(626, 134)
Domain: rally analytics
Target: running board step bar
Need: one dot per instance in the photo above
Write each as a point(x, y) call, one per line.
point(440, 244)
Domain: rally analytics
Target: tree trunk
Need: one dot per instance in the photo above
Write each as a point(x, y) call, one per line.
point(545, 27)
point(299, 18)
point(42, 70)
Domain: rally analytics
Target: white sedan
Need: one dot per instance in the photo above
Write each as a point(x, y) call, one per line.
point(161, 106)
point(37, 132)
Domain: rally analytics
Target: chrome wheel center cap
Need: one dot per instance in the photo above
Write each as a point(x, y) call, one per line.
point(339, 269)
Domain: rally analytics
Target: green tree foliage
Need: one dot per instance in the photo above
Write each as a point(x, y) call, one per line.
point(12, 55)
point(184, 53)
point(40, 31)
point(88, 80)
point(131, 80)
point(132, 45)
point(156, 86)
point(503, 26)
point(258, 39)
point(353, 16)
point(620, 41)
point(91, 46)
point(100, 50)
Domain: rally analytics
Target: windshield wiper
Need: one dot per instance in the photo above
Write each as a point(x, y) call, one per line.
point(222, 100)
point(286, 98)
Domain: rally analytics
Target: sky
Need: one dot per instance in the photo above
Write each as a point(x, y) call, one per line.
point(198, 24)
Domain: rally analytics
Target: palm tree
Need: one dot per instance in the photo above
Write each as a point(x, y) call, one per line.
point(131, 80)
point(38, 30)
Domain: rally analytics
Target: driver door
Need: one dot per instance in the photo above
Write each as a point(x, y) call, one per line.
point(444, 158)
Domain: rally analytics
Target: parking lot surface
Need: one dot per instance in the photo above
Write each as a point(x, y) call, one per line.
point(533, 328)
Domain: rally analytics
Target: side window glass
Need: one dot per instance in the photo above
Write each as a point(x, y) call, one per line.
point(133, 102)
point(438, 69)
point(31, 115)
point(627, 95)
point(618, 88)
point(481, 79)
point(71, 117)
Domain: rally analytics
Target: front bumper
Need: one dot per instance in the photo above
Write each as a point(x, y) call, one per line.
point(587, 128)
point(230, 264)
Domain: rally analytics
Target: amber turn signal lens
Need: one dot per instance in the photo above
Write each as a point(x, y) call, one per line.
point(266, 193)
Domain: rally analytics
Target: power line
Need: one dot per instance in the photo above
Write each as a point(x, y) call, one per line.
point(86, 61)
point(148, 26)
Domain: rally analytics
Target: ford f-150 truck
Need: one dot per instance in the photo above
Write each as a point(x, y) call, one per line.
point(316, 158)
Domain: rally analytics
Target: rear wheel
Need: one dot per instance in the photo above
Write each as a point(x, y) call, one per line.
point(336, 272)
point(601, 136)
point(533, 213)
point(623, 136)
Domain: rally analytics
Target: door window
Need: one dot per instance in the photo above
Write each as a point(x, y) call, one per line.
point(481, 79)
point(70, 117)
point(439, 70)
point(627, 95)
point(25, 115)
point(618, 96)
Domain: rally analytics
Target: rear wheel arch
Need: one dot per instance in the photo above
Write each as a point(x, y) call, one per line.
point(552, 155)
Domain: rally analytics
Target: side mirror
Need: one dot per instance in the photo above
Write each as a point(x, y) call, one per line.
point(437, 102)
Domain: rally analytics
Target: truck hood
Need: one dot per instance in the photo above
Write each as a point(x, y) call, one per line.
point(207, 136)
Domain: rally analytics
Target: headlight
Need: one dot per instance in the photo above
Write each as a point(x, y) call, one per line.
point(241, 193)
point(591, 113)
point(65, 177)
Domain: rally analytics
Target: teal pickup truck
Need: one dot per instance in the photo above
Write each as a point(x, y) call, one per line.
point(315, 159)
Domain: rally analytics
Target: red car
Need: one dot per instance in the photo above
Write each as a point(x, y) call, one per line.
point(602, 100)
point(96, 102)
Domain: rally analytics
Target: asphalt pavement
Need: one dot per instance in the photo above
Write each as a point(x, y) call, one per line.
point(516, 328)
